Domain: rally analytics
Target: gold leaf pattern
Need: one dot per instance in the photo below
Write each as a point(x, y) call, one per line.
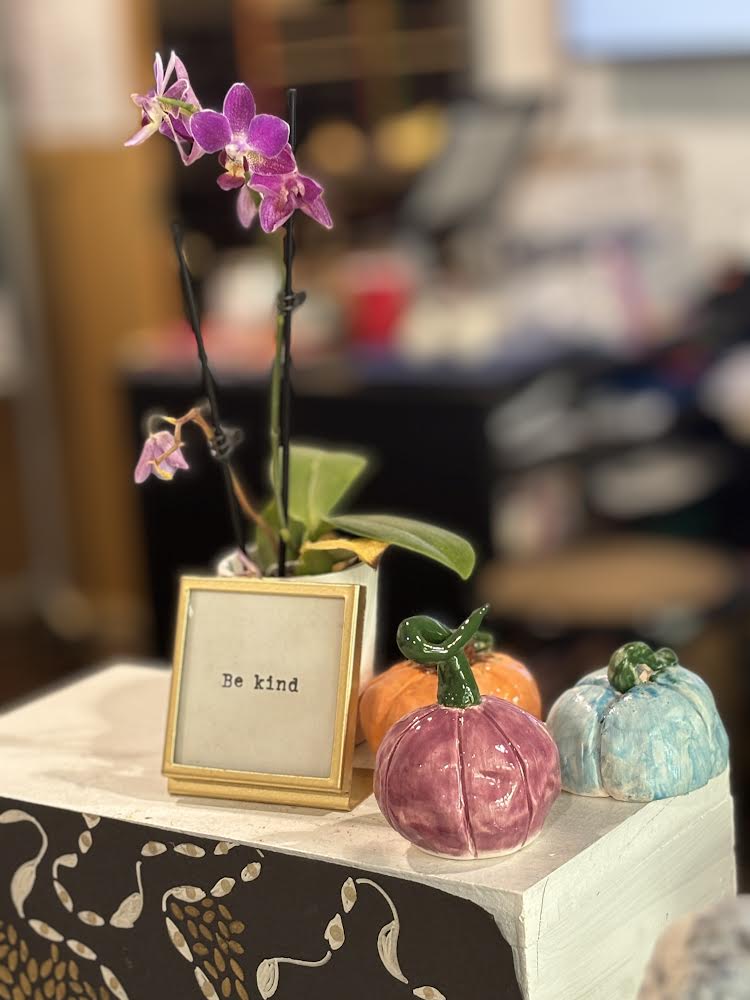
point(45, 975)
point(210, 938)
point(210, 943)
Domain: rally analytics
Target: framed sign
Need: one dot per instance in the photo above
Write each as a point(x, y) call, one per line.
point(264, 691)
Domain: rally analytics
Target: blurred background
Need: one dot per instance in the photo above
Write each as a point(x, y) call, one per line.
point(534, 311)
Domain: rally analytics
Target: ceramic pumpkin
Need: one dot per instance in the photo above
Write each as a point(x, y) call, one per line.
point(470, 776)
point(409, 685)
point(646, 728)
point(702, 955)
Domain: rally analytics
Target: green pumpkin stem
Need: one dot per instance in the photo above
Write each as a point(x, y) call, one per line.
point(429, 642)
point(636, 663)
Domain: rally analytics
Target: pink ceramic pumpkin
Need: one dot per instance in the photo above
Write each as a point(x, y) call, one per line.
point(468, 777)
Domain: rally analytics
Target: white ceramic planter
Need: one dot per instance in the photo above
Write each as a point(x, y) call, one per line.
point(358, 573)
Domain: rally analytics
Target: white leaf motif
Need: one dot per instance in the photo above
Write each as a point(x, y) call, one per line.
point(63, 895)
point(81, 949)
point(267, 977)
point(64, 861)
point(334, 933)
point(131, 907)
point(225, 846)
point(348, 895)
point(112, 983)
point(205, 984)
point(22, 883)
point(15, 816)
point(185, 893)
point(428, 993)
point(223, 887)
point(250, 872)
point(85, 841)
point(388, 950)
point(24, 876)
point(91, 821)
point(178, 940)
point(90, 918)
point(152, 848)
point(190, 850)
point(44, 930)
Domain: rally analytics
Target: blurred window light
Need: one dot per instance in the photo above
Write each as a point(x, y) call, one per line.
point(639, 29)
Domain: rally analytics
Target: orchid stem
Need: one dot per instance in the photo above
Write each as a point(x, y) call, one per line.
point(194, 416)
point(281, 387)
point(209, 385)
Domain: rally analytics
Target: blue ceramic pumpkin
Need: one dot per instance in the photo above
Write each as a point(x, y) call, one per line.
point(645, 728)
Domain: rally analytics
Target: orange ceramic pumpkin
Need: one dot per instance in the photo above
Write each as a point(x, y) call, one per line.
point(408, 685)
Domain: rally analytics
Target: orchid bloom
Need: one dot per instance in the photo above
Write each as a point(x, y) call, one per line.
point(247, 141)
point(167, 108)
point(161, 456)
point(283, 195)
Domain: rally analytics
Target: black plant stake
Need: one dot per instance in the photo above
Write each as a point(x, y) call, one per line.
point(223, 445)
point(288, 302)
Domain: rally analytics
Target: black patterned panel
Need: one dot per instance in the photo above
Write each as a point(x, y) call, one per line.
point(110, 910)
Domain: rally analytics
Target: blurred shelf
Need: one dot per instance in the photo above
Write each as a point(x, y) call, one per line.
point(414, 52)
point(614, 582)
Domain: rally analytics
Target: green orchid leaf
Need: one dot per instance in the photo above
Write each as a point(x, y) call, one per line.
point(442, 546)
point(318, 480)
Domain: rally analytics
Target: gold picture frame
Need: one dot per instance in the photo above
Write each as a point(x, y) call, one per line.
point(215, 720)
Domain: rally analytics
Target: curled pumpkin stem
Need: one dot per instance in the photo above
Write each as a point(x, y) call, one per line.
point(636, 663)
point(427, 641)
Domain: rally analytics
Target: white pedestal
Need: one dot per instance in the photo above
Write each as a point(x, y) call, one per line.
point(581, 907)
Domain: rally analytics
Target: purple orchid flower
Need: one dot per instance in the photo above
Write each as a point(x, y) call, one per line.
point(246, 207)
point(283, 195)
point(158, 114)
point(151, 461)
point(247, 141)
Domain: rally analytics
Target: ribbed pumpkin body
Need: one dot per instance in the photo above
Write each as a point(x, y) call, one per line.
point(467, 783)
point(659, 739)
point(407, 686)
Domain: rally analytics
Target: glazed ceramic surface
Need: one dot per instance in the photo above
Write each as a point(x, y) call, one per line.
point(467, 783)
point(660, 737)
point(407, 686)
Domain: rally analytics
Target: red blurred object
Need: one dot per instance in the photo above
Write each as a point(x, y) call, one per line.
point(378, 288)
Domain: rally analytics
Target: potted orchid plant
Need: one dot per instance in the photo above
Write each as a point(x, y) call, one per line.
point(301, 528)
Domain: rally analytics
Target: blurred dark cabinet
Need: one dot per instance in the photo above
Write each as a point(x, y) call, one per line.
point(430, 461)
